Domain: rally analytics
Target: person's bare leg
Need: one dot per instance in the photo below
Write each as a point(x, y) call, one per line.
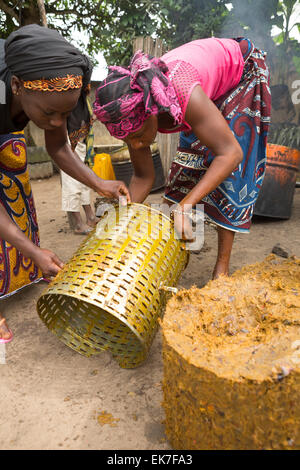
point(4, 331)
point(225, 242)
point(91, 219)
point(76, 223)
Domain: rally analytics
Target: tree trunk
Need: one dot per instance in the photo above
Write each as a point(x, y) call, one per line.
point(42, 11)
point(30, 14)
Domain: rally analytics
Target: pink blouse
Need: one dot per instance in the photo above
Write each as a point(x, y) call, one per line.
point(215, 64)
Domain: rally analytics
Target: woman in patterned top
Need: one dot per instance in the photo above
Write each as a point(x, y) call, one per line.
point(215, 92)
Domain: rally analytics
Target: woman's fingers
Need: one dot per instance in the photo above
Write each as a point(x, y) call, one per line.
point(183, 227)
point(114, 189)
point(48, 262)
point(54, 266)
point(57, 261)
point(4, 330)
point(124, 192)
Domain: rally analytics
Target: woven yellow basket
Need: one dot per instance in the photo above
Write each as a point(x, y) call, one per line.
point(109, 296)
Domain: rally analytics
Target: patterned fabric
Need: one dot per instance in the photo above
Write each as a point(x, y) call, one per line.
point(70, 82)
point(16, 271)
point(247, 109)
point(89, 140)
point(83, 133)
point(90, 152)
point(76, 136)
point(127, 97)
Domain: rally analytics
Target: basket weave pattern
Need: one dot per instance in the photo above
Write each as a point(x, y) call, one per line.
point(108, 296)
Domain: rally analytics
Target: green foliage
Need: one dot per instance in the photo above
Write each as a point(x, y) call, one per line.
point(127, 19)
point(111, 25)
point(296, 61)
point(287, 50)
point(194, 19)
point(8, 23)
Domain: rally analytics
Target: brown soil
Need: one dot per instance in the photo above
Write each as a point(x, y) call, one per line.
point(53, 397)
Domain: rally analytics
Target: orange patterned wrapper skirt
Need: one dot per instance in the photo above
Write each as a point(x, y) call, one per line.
point(16, 271)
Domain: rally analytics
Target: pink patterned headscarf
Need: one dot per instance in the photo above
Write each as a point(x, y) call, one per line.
point(128, 96)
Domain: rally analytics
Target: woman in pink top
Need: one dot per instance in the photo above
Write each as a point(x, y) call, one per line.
point(216, 93)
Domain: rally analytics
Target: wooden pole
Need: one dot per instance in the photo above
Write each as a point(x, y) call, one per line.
point(167, 143)
point(42, 10)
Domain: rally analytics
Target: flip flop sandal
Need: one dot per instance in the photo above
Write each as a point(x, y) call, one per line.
point(8, 340)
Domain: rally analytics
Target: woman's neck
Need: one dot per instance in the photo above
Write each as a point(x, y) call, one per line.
point(165, 121)
point(16, 111)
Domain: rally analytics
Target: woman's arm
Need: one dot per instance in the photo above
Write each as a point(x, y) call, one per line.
point(61, 152)
point(144, 174)
point(46, 260)
point(212, 130)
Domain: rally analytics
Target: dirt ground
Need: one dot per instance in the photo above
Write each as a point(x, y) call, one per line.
point(53, 398)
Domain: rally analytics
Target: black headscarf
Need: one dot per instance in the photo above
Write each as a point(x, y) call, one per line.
point(34, 52)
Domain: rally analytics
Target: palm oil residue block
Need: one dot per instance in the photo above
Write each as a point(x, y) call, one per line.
point(232, 360)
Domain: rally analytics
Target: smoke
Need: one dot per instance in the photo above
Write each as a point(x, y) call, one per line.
point(251, 19)
point(255, 20)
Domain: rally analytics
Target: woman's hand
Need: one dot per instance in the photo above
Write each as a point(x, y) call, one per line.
point(48, 262)
point(68, 161)
point(182, 225)
point(113, 189)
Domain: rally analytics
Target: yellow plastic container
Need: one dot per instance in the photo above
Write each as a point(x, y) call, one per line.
point(103, 166)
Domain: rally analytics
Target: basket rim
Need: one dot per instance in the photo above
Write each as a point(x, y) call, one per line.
point(146, 206)
point(109, 310)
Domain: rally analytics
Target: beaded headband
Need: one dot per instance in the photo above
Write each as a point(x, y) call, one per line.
point(69, 82)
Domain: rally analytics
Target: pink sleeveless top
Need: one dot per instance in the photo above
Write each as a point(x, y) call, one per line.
point(214, 64)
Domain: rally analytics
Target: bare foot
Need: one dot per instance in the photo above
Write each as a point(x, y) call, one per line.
point(4, 331)
point(92, 222)
point(221, 269)
point(91, 219)
point(82, 229)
